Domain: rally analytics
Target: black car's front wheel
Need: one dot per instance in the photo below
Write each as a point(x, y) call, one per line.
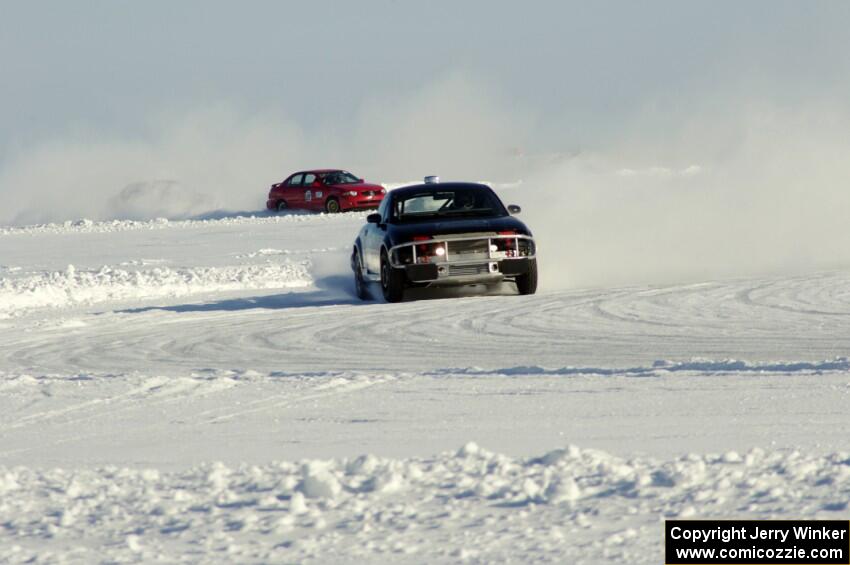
point(527, 283)
point(392, 280)
point(360, 284)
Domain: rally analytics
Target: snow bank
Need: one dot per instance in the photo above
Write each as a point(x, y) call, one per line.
point(73, 287)
point(566, 505)
point(662, 366)
point(223, 218)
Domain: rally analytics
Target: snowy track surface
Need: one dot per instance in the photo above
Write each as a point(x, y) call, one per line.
point(206, 391)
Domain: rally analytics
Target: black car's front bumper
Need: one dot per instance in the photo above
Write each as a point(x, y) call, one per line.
point(464, 258)
point(467, 273)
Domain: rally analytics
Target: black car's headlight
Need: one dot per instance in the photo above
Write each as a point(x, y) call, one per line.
point(526, 247)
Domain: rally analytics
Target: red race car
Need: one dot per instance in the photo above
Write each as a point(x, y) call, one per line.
point(325, 190)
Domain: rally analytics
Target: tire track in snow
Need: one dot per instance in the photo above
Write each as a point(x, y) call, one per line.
point(796, 299)
point(709, 321)
point(41, 416)
point(158, 391)
point(333, 388)
point(154, 391)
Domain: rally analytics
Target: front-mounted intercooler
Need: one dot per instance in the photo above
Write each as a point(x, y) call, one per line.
point(485, 256)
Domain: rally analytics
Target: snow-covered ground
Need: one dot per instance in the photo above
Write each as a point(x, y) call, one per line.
point(212, 391)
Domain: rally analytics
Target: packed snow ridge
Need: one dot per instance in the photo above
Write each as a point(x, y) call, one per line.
point(72, 287)
point(213, 219)
point(700, 366)
point(568, 505)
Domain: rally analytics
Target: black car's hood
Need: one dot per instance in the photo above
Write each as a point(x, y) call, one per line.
point(402, 233)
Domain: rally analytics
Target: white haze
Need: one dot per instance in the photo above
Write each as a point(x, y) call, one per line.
point(757, 190)
point(225, 158)
point(711, 193)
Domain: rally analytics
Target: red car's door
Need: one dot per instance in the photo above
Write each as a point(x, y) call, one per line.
point(314, 193)
point(293, 192)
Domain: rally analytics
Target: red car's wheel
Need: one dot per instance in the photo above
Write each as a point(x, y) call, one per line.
point(281, 206)
point(332, 206)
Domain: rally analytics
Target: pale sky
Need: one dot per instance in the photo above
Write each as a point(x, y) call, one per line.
point(111, 65)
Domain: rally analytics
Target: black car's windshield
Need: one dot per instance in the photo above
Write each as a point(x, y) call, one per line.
point(451, 202)
point(339, 177)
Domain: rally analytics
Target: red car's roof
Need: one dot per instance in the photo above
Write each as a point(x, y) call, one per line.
point(321, 171)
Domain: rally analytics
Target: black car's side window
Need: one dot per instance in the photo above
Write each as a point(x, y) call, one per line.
point(295, 180)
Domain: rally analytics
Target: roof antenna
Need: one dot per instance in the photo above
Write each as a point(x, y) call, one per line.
point(432, 179)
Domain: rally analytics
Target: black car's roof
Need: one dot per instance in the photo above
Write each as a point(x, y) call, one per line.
point(437, 187)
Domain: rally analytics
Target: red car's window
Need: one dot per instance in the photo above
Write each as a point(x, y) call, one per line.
point(339, 177)
point(295, 180)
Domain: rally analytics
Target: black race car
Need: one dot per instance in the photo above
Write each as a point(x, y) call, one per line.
point(442, 234)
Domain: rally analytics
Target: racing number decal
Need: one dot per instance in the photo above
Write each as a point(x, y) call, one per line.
point(308, 196)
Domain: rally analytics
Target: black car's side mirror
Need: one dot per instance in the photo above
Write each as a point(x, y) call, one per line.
point(373, 218)
point(514, 209)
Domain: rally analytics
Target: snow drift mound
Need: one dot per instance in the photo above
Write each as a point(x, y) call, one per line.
point(218, 218)
point(73, 287)
point(566, 505)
